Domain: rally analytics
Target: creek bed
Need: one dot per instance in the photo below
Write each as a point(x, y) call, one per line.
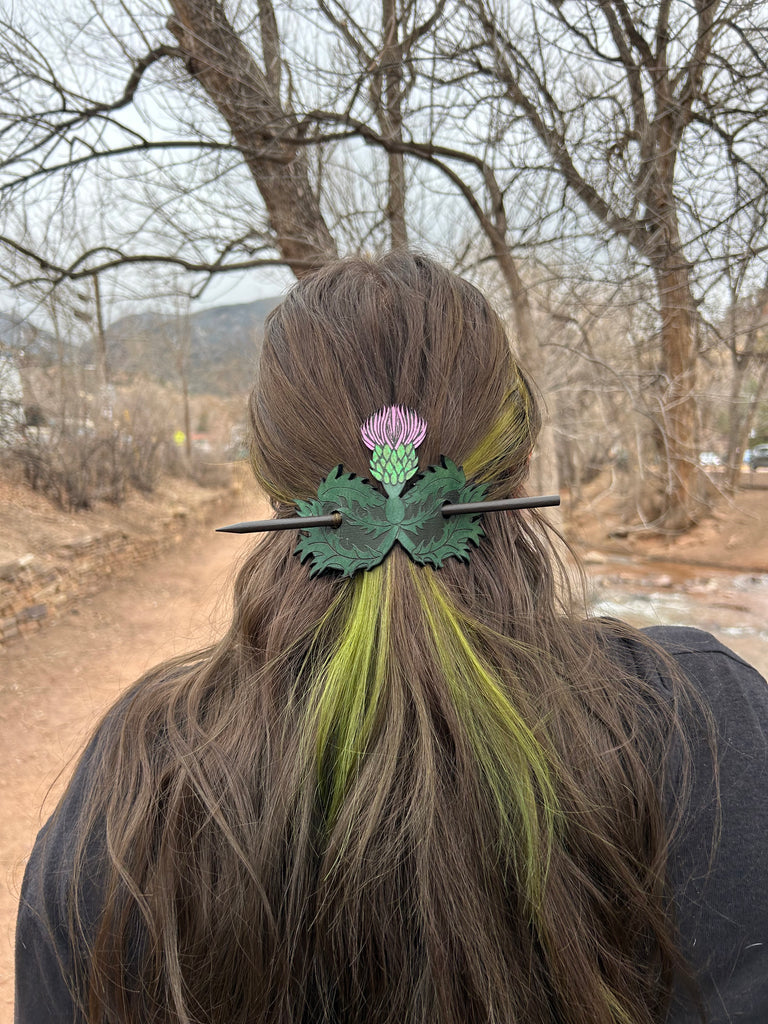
point(732, 606)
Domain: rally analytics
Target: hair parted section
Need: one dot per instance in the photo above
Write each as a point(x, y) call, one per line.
point(408, 797)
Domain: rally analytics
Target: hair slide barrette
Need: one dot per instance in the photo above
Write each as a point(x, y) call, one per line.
point(353, 526)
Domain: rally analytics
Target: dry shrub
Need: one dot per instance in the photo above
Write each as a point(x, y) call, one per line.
point(110, 444)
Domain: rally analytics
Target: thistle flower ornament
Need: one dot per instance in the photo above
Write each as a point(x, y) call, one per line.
point(433, 515)
point(393, 435)
point(408, 514)
point(394, 426)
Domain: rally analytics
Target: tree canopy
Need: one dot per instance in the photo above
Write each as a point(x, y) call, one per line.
point(541, 139)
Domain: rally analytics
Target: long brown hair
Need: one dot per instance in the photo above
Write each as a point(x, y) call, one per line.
point(410, 796)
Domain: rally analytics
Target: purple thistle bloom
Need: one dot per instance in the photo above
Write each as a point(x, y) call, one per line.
point(393, 426)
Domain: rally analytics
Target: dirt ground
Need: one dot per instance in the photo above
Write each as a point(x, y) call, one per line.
point(54, 685)
point(734, 536)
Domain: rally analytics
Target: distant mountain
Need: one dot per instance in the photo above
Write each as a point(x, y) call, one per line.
point(22, 336)
point(223, 345)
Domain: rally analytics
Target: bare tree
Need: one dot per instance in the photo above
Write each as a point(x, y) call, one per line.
point(386, 66)
point(745, 337)
point(99, 334)
point(177, 335)
point(738, 319)
point(613, 93)
point(248, 97)
point(56, 135)
point(646, 114)
point(94, 316)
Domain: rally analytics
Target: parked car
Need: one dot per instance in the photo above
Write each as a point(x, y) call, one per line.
point(757, 456)
point(709, 459)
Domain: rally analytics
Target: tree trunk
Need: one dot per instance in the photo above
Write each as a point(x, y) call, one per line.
point(738, 422)
point(398, 232)
point(249, 101)
point(678, 403)
point(544, 476)
point(387, 95)
point(529, 349)
point(187, 417)
point(100, 335)
point(742, 408)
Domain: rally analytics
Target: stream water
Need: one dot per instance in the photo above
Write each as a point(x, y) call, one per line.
point(733, 606)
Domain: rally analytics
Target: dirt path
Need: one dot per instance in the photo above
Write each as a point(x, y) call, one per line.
point(54, 685)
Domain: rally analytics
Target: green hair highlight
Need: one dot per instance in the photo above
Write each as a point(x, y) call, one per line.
point(350, 685)
point(510, 432)
point(513, 762)
point(619, 1012)
point(348, 693)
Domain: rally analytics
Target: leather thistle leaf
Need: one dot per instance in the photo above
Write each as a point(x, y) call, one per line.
point(428, 536)
point(365, 535)
point(410, 514)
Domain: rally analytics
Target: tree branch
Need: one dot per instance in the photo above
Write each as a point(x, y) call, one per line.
point(95, 110)
point(144, 147)
point(54, 273)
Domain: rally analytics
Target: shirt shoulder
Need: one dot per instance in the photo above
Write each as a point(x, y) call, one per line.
point(687, 640)
point(718, 867)
point(734, 691)
point(45, 958)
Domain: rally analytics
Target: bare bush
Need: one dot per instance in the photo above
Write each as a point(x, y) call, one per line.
point(11, 400)
point(73, 468)
point(96, 451)
point(143, 415)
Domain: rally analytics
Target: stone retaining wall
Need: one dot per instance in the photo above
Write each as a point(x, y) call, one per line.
point(36, 588)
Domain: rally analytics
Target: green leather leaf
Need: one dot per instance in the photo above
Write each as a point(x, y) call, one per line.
point(372, 523)
point(364, 537)
point(428, 536)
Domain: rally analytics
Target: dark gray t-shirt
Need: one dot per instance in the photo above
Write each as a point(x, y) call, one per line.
point(721, 893)
point(722, 905)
